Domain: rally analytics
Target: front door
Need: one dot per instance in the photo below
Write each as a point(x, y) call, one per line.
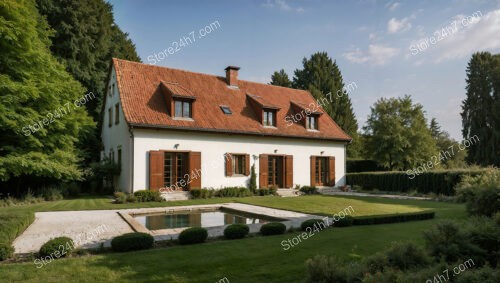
point(321, 171)
point(275, 171)
point(175, 170)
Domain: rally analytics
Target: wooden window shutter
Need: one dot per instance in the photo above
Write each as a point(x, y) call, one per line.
point(289, 171)
point(331, 170)
point(229, 164)
point(247, 164)
point(194, 164)
point(313, 171)
point(156, 169)
point(263, 171)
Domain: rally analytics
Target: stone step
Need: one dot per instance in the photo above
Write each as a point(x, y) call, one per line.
point(176, 195)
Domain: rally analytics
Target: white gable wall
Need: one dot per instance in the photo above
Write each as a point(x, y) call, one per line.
point(213, 147)
point(117, 136)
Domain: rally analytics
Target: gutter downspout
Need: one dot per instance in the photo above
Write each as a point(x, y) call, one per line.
point(131, 145)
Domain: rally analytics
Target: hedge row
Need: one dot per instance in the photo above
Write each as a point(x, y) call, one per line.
point(386, 219)
point(438, 182)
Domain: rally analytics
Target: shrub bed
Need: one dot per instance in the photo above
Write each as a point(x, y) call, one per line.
point(386, 219)
point(6, 251)
point(308, 190)
point(438, 182)
point(267, 191)
point(147, 195)
point(311, 223)
point(57, 247)
point(236, 231)
point(132, 242)
point(193, 235)
point(272, 228)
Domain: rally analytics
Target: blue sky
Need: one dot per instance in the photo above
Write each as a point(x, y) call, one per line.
point(387, 48)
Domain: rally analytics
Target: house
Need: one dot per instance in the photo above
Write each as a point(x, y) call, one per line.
point(171, 129)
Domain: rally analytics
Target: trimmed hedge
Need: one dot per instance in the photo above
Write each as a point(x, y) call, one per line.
point(343, 222)
point(236, 231)
point(57, 247)
point(193, 235)
point(308, 190)
point(310, 223)
point(272, 228)
point(363, 165)
point(147, 195)
point(438, 182)
point(132, 242)
point(6, 251)
point(266, 191)
point(370, 220)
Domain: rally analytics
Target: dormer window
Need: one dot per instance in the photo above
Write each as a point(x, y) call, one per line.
point(312, 122)
point(182, 109)
point(269, 118)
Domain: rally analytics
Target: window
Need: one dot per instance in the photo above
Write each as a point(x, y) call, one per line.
point(117, 113)
point(110, 116)
point(226, 110)
point(239, 164)
point(269, 118)
point(312, 122)
point(182, 109)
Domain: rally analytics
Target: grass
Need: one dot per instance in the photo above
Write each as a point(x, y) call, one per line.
point(248, 260)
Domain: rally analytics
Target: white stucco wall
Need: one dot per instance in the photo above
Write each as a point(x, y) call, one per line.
point(117, 136)
point(213, 147)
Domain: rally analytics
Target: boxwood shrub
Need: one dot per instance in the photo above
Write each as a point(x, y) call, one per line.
point(132, 242)
point(308, 190)
point(147, 195)
point(272, 228)
point(236, 231)
point(6, 251)
point(343, 222)
point(320, 224)
point(57, 247)
point(193, 235)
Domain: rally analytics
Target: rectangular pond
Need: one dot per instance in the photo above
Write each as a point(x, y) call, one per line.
point(198, 218)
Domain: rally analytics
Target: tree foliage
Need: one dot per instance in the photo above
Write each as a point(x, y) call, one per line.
point(322, 77)
point(280, 78)
point(481, 108)
point(452, 153)
point(39, 121)
point(397, 135)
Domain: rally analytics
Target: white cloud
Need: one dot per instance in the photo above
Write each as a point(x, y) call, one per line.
point(392, 6)
point(394, 25)
point(376, 55)
point(283, 6)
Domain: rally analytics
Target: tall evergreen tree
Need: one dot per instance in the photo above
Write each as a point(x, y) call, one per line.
point(85, 39)
point(479, 109)
point(280, 78)
point(397, 134)
point(39, 120)
point(451, 153)
point(322, 77)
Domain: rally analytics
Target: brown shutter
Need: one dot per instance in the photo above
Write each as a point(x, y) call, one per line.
point(331, 170)
point(156, 170)
point(263, 171)
point(247, 164)
point(194, 170)
point(313, 169)
point(289, 171)
point(228, 158)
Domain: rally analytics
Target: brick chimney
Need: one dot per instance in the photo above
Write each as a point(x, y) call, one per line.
point(232, 75)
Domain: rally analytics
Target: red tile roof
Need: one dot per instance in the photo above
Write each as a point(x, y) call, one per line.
point(142, 98)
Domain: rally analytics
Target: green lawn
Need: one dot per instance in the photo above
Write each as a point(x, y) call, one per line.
point(256, 259)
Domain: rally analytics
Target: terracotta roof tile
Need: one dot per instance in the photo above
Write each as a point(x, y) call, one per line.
point(142, 96)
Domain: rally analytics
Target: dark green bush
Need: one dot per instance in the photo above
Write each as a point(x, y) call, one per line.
point(376, 263)
point(438, 182)
point(57, 247)
point(371, 220)
point(193, 235)
point(6, 251)
point(266, 191)
point(202, 193)
point(131, 198)
point(330, 269)
point(481, 193)
point(236, 231)
point(313, 224)
point(406, 255)
point(343, 222)
point(308, 190)
point(273, 228)
point(148, 195)
point(120, 197)
point(132, 242)
point(484, 274)
point(484, 233)
point(233, 192)
point(362, 165)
